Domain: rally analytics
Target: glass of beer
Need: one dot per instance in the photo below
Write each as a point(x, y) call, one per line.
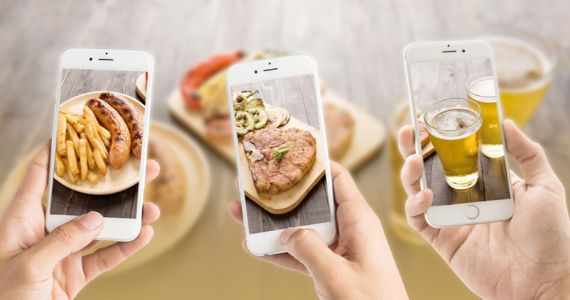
point(453, 125)
point(482, 90)
point(525, 63)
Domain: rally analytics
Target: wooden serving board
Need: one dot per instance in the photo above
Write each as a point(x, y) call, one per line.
point(369, 133)
point(285, 201)
point(194, 121)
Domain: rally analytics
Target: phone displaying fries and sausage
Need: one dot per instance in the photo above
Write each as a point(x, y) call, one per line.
point(98, 155)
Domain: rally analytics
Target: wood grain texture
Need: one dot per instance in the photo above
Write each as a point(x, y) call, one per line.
point(297, 95)
point(358, 46)
point(69, 202)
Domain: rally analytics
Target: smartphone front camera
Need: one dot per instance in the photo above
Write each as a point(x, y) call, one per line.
point(90, 58)
point(255, 71)
point(463, 50)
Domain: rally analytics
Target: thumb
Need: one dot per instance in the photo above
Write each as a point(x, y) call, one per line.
point(307, 246)
point(528, 154)
point(66, 240)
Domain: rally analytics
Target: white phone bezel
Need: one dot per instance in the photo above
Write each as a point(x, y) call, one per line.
point(456, 214)
point(267, 243)
point(116, 229)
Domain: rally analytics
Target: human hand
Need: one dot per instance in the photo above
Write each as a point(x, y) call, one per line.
point(527, 257)
point(359, 265)
point(37, 265)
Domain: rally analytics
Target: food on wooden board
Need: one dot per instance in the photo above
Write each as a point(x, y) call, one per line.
point(279, 158)
point(196, 76)
point(340, 130)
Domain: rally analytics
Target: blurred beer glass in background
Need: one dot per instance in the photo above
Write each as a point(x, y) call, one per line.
point(453, 125)
point(397, 216)
point(525, 63)
point(482, 90)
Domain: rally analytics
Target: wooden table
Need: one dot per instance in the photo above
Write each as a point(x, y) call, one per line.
point(66, 201)
point(358, 45)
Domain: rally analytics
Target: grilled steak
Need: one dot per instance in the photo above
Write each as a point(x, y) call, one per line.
point(279, 158)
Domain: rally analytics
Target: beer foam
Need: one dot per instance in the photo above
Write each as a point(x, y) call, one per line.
point(519, 64)
point(454, 123)
point(483, 90)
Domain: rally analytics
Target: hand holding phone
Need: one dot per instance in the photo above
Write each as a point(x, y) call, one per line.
point(532, 249)
point(359, 265)
point(281, 149)
point(35, 265)
point(100, 136)
point(456, 111)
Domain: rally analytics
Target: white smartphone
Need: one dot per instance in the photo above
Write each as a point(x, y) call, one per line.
point(456, 113)
point(281, 149)
point(100, 137)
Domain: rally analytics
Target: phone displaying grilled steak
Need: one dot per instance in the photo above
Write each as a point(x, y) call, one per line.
point(279, 158)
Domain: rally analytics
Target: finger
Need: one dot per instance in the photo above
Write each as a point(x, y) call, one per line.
point(152, 170)
point(34, 183)
point(528, 154)
point(283, 260)
point(65, 240)
point(345, 189)
point(109, 257)
point(151, 213)
point(406, 143)
point(416, 206)
point(234, 208)
point(307, 246)
point(412, 173)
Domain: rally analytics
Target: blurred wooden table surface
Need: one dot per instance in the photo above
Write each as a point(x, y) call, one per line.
point(358, 46)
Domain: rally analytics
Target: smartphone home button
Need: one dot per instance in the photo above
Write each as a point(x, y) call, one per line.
point(472, 212)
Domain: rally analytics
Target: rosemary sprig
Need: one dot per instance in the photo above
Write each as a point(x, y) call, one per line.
point(278, 155)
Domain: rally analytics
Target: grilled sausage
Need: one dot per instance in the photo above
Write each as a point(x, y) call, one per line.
point(131, 116)
point(120, 137)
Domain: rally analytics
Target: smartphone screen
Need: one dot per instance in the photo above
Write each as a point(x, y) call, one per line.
point(458, 117)
point(281, 153)
point(99, 141)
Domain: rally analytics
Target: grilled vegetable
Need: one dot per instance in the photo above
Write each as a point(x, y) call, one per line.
point(259, 117)
point(244, 123)
point(242, 98)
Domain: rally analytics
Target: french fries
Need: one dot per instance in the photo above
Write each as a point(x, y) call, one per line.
point(83, 159)
point(59, 166)
point(71, 161)
point(82, 148)
point(61, 131)
point(100, 162)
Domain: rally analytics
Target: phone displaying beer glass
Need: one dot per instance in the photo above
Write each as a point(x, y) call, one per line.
point(457, 116)
point(99, 143)
point(281, 149)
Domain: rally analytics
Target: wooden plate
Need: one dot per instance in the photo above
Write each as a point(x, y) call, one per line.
point(116, 180)
point(194, 121)
point(286, 201)
point(369, 134)
point(169, 229)
point(141, 86)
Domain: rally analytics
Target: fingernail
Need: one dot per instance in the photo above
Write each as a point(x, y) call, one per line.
point(91, 220)
point(286, 234)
